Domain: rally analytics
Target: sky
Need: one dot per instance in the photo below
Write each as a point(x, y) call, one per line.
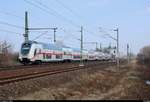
point(98, 17)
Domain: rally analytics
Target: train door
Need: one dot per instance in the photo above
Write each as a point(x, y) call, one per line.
point(37, 54)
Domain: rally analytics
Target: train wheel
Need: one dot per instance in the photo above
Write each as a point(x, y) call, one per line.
point(24, 63)
point(39, 62)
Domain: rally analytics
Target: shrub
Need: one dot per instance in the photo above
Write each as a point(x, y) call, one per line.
point(144, 56)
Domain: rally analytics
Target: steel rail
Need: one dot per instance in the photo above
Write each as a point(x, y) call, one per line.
point(44, 73)
point(15, 67)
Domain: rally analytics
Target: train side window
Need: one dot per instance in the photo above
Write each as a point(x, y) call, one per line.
point(48, 56)
point(77, 57)
point(44, 56)
point(58, 56)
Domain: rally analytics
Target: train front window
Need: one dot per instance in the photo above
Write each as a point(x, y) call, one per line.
point(25, 49)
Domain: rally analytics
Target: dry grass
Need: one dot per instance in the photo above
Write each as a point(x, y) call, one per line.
point(86, 86)
point(108, 84)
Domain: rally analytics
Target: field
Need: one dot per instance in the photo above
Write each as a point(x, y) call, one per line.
point(127, 82)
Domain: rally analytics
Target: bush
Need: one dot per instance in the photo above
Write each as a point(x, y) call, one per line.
point(144, 56)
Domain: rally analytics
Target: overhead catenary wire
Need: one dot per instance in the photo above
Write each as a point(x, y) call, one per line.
point(106, 33)
point(11, 14)
point(58, 14)
point(48, 10)
point(20, 17)
point(40, 35)
point(70, 10)
point(3, 30)
point(72, 35)
point(16, 16)
point(67, 8)
point(12, 25)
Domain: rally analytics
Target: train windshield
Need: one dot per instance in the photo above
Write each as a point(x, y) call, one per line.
point(25, 48)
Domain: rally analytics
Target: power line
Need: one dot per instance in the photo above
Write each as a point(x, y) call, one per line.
point(70, 10)
point(40, 35)
point(12, 25)
point(56, 14)
point(39, 7)
point(14, 15)
point(73, 36)
point(59, 15)
point(66, 7)
point(90, 32)
point(11, 14)
point(10, 32)
point(47, 11)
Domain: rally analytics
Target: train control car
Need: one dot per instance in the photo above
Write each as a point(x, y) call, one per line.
point(35, 52)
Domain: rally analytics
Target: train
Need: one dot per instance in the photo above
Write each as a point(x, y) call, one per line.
point(38, 52)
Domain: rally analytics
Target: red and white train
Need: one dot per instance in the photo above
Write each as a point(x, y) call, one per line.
point(36, 52)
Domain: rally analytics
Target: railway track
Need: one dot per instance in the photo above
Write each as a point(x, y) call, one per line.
point(20, 66)
point(10, 78)
point(17, 67)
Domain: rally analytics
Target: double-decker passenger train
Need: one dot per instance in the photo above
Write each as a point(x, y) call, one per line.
point(37, 52)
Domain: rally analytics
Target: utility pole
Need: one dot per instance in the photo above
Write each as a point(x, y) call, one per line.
point(109, 45)
point(96, 46)
point(55, 29)
point(100, 47)
point(1, 48)
point(128, 56)
point(81, 50)
point(26, 35)
point(117, 30)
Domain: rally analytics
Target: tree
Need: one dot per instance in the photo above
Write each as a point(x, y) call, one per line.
point(6, 54)
point(144, 55)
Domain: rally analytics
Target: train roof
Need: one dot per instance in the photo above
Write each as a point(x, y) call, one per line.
point(54, 46)
point(78, 49)
point(46, 46)
point(51, 46)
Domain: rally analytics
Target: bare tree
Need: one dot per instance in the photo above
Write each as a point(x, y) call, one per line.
point(7, 56)
point(144, 55)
